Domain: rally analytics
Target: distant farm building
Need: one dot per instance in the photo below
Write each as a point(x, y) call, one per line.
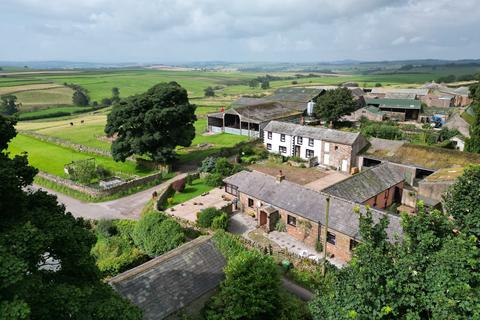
point(248, 116)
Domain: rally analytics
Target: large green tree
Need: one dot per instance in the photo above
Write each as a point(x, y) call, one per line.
point(432, 273)
point(8, 105)
point(251, 289)
point(46, 269)
point(462, 201)
point(153, 123)
point(80, 98)
point(334, 104)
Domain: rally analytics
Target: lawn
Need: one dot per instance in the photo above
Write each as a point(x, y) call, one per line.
point(52, 158)
point(197, 188)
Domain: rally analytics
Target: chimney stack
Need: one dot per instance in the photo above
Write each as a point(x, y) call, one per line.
point(280, 176)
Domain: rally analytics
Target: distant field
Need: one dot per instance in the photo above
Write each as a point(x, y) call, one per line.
point(52, 158)
point(50, 111)
point(44, 98)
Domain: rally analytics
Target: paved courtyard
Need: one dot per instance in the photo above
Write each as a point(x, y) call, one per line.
point(188, 210)
point(326, 181)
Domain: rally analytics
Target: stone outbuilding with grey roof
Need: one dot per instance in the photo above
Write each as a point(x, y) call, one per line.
point(326, 147)
point(248, 116)
point(180, 280)
point(379, 187)
point(303, 210)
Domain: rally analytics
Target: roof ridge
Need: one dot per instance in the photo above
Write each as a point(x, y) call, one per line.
point(160, 259)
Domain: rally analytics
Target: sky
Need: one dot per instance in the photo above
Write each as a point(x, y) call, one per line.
point(169, 31)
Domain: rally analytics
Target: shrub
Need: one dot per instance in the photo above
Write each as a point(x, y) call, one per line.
point(220, 222)
point(206, 216)
point(319, 246)
point(106, 228)
point(223, 167)
point(125, 228)
point(208, 164)
point(83, 171)
point(170, 201)
point(189, 179)
point(102, 172)
point(280, 226)
point(156, 234)
point(179, 185)
point(116, 254)
point(228, 244)
point(214, 180)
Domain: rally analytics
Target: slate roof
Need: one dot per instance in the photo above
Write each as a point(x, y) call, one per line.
point(418, 92)
point(307, 203)
point(263, 112)
point(366, 184)
point(425, 157)
point(172, 281)
point(395, 103)
point(319, 133)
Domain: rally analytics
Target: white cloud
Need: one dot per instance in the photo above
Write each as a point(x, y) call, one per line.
point(167, 30)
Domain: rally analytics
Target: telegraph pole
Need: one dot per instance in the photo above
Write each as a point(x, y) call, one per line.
point(324, 262)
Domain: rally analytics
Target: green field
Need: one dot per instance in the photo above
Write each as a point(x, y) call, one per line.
point(52, 158)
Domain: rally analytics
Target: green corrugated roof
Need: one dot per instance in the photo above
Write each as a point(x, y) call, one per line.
point(395, 103)
point(375, 110)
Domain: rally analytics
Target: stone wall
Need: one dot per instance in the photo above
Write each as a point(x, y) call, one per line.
point(99, 193)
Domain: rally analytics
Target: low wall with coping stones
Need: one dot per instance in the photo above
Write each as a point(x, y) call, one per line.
point(98, 193)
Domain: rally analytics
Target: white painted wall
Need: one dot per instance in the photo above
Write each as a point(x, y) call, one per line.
point(276, 143)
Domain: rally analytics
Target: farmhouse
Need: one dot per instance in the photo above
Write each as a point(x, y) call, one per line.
point(248, 116)
point(303, 210)
point(180, 280)
point(379, 187)
point(397, 109)
point(331, 148)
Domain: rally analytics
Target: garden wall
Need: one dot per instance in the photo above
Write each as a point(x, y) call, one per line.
point(99, 193)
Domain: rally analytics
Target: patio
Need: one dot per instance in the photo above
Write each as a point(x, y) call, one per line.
point(217, 198)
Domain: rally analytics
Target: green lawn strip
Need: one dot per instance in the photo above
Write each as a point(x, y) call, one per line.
point(87, 198)
point(197, 188)
point(51, 158)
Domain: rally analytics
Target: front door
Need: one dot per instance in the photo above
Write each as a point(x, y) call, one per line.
point(344, 165)
point(297, 151)
point(263, 219)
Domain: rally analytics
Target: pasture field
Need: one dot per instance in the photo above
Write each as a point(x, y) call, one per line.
point(51, 158)
point(67, 110)
point(44, 98)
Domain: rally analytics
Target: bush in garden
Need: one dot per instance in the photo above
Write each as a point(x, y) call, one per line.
point(208, 164)
point(102, 172)
point(156, 234)
point(220, 222)
point(280, 226)
point(189, 179)
point(170, 201)
point(106, 228)
point(125, 228)
point(223, 167)
point(229, 245)
point(116, 254)
point(214, 180)
point(206, 216)
point(319, 246)
point(179, 185)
